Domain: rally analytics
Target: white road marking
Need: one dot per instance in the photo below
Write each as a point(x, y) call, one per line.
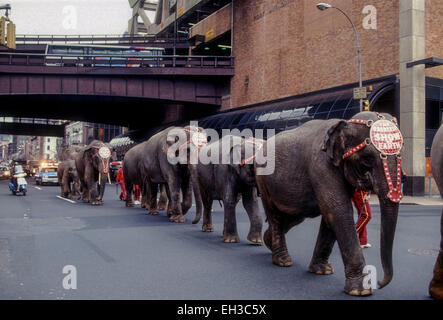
point(69, 200)
point(38, 188)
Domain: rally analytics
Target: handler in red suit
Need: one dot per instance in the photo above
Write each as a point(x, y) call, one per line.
point(121, 180)
point(361, 202)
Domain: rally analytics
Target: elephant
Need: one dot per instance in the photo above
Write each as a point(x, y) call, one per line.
point(318, 166)
point(92, 164)
point(134, 174)
point(158, 168)
point(69, 153)
point(436, 285)
point(67, 176)
point(227, 182)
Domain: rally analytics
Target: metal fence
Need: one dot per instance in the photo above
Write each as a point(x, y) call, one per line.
point(97, 39)
point(158, 61)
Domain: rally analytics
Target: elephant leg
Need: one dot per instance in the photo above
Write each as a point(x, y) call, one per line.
point(339, 216)
point(186, 189)
point(153, 189)
point(91, 186)
point(174, 190)
point(163, 201)
point(230, 234)
point(102, 187)
point(85, 191)
point(436, 285)
point(207, 225)
point(168, 193)
point(251, 206)
point(323, 248)
point(129, 189)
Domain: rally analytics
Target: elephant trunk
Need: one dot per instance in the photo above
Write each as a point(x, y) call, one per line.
point(197, 195)
point(389, 214)
point(436, 285)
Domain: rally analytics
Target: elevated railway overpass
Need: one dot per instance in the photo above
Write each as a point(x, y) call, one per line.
point(134, 91)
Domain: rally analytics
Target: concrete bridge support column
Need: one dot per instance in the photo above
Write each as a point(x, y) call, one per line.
point(412, 93)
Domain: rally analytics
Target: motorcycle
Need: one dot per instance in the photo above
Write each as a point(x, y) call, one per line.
point(21, 183)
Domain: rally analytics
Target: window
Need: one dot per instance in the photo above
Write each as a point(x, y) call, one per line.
point(48, 148)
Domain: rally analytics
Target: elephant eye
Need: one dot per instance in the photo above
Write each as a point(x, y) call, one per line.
point(367, 160)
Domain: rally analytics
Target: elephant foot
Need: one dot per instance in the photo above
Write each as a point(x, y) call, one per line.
point(436, 289)
point(129, 203)
point(282, 259)
point(177, 218)
point(255, 237)
point(268, 239)
point(207, 228)
point(85, 200)
point(321, 268)
point(354, 287)
point(95, 203)
point(153, 212)
point(231, 238)
point(162, 207)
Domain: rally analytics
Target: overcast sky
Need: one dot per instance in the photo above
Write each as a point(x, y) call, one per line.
point(69, 16)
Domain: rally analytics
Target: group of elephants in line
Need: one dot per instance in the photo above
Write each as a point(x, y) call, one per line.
point(318, 166)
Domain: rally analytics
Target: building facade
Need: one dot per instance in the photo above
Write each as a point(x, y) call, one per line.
point(83, 133)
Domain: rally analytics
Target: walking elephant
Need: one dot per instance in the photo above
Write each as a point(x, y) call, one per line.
point(134, 174)
point(228, 182)
point(68, 179)
point(318, 166)
point(436, 285)
point(165, 159)
point(92, 164)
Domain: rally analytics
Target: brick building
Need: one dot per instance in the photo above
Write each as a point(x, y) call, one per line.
point(294, 62)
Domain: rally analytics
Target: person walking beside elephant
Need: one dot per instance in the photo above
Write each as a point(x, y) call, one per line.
point(120, 180)
point(361, 202)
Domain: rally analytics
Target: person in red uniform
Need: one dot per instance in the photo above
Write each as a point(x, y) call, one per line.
point(361, 202)
point(136, 194)
point(120, 179)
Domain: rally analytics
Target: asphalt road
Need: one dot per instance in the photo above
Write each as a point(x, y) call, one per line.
point(123, 253)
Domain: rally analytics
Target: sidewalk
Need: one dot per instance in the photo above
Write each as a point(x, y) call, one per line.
point(422, 201)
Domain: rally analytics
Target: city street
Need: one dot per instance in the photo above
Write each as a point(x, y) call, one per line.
point(124, 253)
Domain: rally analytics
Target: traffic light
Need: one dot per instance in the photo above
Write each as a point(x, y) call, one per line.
point(365, 105)
point(10, 36)
point(7, 33)
point(2, 31)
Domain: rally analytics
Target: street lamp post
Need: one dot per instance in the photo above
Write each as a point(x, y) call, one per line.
point(323, 6)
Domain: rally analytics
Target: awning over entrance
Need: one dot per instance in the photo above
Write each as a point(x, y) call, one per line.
point(291, 112)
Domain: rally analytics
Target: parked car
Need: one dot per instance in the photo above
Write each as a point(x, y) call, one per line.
point(4, 173)
point(46, 175)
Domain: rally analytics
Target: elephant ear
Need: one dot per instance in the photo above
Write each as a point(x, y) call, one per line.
point(334, 143)
point(237, 154)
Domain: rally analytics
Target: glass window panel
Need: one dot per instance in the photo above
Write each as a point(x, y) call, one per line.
point(321, 115)
point(247, 117)
point(432, 114)
point(325, 106)
point(237, 119)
